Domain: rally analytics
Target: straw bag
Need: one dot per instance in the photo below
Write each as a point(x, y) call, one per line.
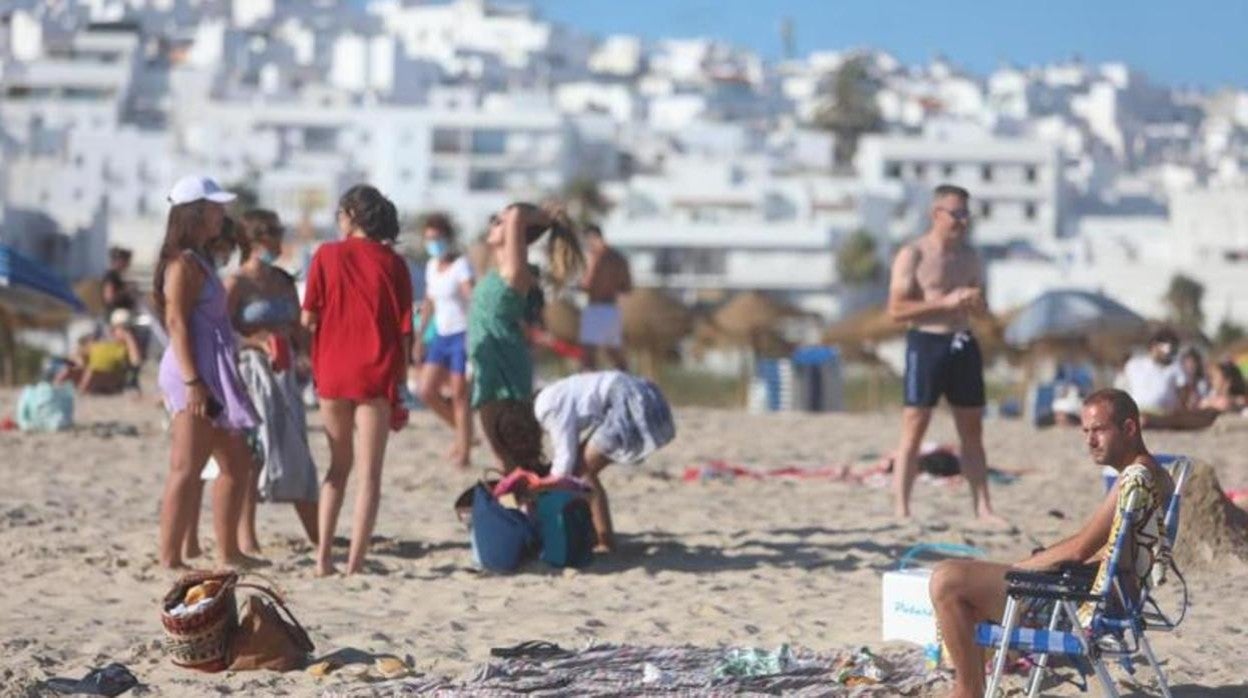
point(200, 639)
point(268, 635)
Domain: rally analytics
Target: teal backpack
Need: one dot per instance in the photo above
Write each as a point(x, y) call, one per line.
point(565, 528)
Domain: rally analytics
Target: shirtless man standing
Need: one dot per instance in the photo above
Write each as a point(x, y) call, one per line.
point(936, 284)
point(607, 277)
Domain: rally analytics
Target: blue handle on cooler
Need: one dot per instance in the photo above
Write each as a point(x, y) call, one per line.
point(947, 548)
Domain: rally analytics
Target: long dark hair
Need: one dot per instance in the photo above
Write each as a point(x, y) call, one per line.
point(255, 224)
point(1235, 384)
point(371, 211)
point(183, 233)
point(515, 434)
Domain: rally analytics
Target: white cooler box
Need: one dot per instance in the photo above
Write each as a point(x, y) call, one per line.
point(907, 609)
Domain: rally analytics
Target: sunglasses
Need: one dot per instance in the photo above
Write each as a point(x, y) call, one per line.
point(958, 214)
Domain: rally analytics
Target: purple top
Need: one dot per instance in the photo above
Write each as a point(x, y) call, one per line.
point(216, 358)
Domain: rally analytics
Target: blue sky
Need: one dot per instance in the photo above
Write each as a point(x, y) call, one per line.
point(1202, 43)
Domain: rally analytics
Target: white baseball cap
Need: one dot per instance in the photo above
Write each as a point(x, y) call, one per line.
point(194, 187)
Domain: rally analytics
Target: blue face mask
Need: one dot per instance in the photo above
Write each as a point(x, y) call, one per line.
point(436, 248)
point(267, 257)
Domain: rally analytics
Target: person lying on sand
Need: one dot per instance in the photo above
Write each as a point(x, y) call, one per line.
point(626, 417)
point(967, 592)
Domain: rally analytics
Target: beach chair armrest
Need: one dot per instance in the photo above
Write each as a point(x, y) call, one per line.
point(1055, 592)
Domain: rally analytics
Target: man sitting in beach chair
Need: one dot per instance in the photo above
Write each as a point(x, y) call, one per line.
point(966, 592)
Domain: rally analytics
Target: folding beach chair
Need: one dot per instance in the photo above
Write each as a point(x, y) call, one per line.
point(1117, 624)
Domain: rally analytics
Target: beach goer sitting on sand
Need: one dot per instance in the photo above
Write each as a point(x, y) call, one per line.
point(358, 306)
point(1228, 392)
point(1158, 384)
point(198, 376)
point(936, 285)
point(967, 592)
point(107, 364)
point(448, 283)
point(592, 420)
point(264, 306)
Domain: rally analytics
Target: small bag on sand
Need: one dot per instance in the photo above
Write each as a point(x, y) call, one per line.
point(268, 635)
point(198, 634)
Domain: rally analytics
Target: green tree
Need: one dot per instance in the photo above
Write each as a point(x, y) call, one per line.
point(848, 108)
point(1228, 333)
point(857, 261)
point(585, 201)
point(1183, 300)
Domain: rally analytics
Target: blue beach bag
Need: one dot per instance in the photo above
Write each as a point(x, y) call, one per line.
point(502, 538)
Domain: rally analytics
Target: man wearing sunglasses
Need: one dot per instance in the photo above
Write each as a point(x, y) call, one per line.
point(936, 285)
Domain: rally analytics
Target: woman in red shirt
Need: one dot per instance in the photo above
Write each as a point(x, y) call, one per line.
point(358, 305)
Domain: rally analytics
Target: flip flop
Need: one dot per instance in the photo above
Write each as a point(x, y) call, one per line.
point(112, 680)
point(532, 649)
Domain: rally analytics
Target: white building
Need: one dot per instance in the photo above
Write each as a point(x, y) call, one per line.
point(714, 225)
point(1014, 183)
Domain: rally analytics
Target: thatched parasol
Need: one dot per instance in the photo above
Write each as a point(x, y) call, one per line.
point(874, 325)
point(654, 320)
point(752, 313)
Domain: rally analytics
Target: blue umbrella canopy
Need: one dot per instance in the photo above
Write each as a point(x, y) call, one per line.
point(29, 286)
point(1070, 314)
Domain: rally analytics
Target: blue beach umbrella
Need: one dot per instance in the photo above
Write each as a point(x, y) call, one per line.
point(1070, 314)
point(28, 286)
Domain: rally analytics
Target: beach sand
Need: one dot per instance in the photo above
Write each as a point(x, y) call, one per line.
point(741, 563)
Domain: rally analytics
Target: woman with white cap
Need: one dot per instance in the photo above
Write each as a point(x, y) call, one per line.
point(199, 377)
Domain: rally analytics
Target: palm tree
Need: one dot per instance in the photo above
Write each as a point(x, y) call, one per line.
point(857, 263)
point(849, 110)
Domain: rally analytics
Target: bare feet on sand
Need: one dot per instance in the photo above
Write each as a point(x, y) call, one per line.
point(191, 550)
point(988, 518)
point(326, 569)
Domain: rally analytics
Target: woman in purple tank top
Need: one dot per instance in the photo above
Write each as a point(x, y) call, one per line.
point(199, 376)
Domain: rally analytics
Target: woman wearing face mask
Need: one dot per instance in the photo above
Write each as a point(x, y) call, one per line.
point(358, 305)
point(198, 376)
point(448, 284)
point(264, 307)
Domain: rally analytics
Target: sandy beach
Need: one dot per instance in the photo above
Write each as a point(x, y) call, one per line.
point(743, 563)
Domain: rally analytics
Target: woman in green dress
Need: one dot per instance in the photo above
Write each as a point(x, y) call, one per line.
point(498, 351)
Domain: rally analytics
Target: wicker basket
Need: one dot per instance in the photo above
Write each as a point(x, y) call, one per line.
point(201, 640)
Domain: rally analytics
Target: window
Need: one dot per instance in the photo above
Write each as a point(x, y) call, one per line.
point(947, 169)
point(405, 175)
point(696, 262)
point(1030, 173)
point(489, 142)
point(1029, 210)
point(485, 180)
point(986, 173)
point(447, 140)
point(892, 170)
point(985, 209)
point(920, 169)
point(439, 175)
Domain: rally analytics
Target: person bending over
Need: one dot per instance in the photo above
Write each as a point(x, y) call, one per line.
point(626, 419)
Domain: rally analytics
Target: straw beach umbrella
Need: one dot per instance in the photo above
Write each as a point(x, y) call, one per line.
point(654, 324)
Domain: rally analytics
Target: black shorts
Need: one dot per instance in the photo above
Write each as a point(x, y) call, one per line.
point(943, 364)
